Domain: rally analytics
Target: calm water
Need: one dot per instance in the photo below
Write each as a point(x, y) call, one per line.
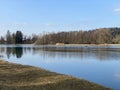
point(99, 64)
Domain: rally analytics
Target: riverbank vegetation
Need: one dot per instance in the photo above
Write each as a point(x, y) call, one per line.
point(21, 77)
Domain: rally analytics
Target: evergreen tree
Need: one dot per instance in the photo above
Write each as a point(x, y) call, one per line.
point(19, 37)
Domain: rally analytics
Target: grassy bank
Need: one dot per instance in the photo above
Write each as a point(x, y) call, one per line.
point(21, 77)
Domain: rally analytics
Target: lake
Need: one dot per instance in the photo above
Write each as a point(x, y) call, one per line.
point(99, 64)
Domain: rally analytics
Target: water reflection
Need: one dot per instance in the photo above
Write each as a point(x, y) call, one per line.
point(14, 51)
point(107, 53)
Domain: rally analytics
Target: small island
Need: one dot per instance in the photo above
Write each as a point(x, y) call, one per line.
point(22, 77)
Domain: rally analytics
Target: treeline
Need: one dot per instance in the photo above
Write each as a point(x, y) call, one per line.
point(97, 36)
point(17, 38)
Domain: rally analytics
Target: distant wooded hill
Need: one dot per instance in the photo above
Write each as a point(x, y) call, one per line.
point(97, 36)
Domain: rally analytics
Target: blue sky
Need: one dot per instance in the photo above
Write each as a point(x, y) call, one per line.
point(42, 16)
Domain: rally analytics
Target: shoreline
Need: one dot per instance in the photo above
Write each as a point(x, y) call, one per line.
point(76, 44)
point(91, 45)
point(96, 44)
point(24, 77)
point(65, 44)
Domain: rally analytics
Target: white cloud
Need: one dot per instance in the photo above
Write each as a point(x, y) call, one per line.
point(117, 10)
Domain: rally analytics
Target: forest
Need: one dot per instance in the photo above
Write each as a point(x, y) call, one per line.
point(96, 36)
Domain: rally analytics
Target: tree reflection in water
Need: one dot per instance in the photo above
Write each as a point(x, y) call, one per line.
point(66, 52)
point(15, 51)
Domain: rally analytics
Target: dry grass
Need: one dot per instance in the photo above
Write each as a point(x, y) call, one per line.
point(21, 77)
